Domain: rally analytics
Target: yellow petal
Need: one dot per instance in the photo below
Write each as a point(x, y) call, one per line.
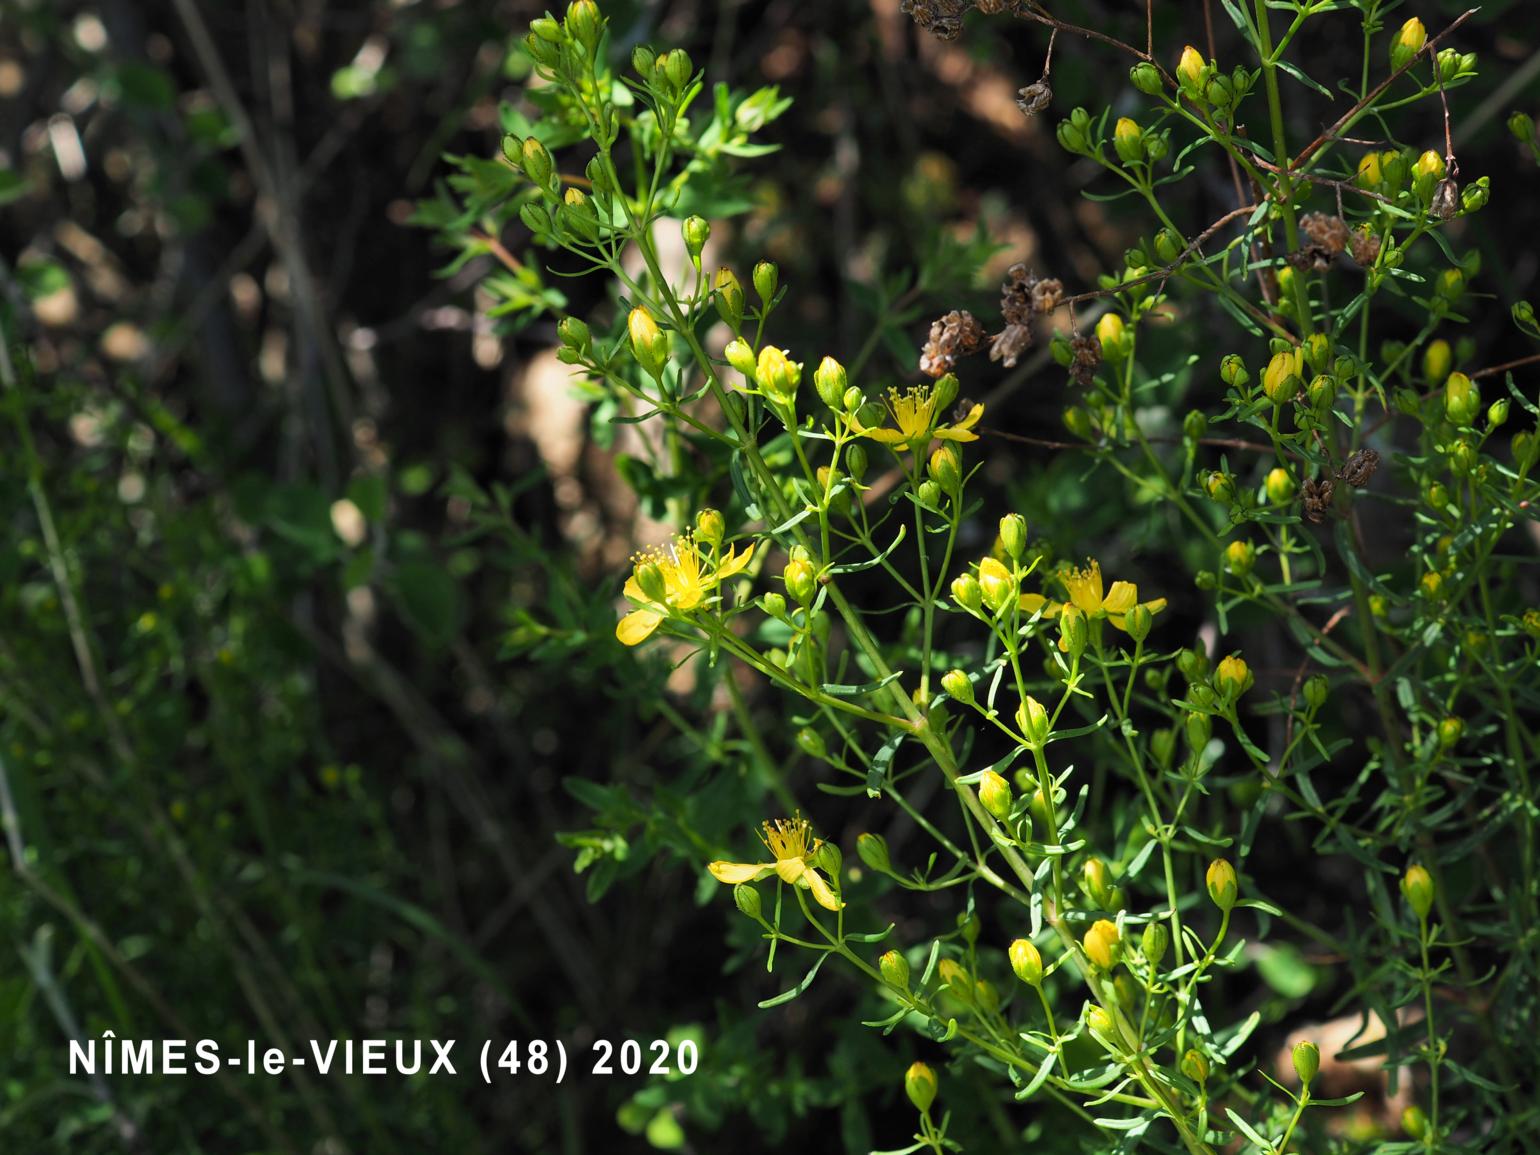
point(791, 869)
point(689, 597)
point(822, 893)
point(886, 436)
point(1155, 606)
point(637, 626)
point(971, 419)
point(733, 873)
point(633, 590)
point(735, 563)
point(955, 433)
point(1121, 598)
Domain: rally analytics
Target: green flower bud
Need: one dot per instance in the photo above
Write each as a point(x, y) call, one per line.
point(1307, 1060)
point(1128, 140)
point(1449, 285)
point(967, 592)
point(1222, 885)
point(1072, 137)
point(546, 29)
point(1168, 247)
point(1154, 942)
point(649, 576)
point(995, 794)
point(536, 218)
point(1233, 677)
point(1522, 126)
point(997, 584)
point(1112, 334)
point(1526, 449)
point(1013, 535)
point(873, 850)
point(1189, 70)
point(1101, 944)
point(1078, 422)
point(1073, 631)
point(958, 686)
point(1192, 665)
point(954, 978)
point(648, 342)
point(774, 604)
point(747, 899)
point(1219, 487)
point(1137, 622)
point(678, 68)
point(643, 61)
point(1497, 412)
point(894, 969)
point(1026, 962)
point(1146, 78)
point(696, 231)
point(945, 468)
point(1462, 399)
point(830, 381)
point(777, 374)
point(574, 333)
point(1317, 688)
point(1450, 731)
point(584, 24)
point(1417, 886)
point(1032, 719)
point(1437, 360)
point(1279, 486)
point(1097, 883)
point(811, 742)
point(1426, 173)
point(920, 1086)
point(1240, 557)
point(1414, 1121)
point(1195, 425)
point(729, 298)
point(829, 859)
point(1476, 195)
point(767, 277)
point(1407, 43)
point(710, 527)
point(1103, 1026)
point(1281, 380)
point(801, 580)
point(536, 162)
point(1195, 1067)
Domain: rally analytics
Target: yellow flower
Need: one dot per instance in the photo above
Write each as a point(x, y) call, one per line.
point(1086, 594)
point(680, 578)
point(914, 415)
point(792, 845)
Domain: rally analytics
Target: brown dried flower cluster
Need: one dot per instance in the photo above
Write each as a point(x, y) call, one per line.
point(1316, 497)
point(1359, 468)
point(1087, 358)
point(1023, 296)
point(952, 338)
point(1365, 246)
point(1327, 238)
point(941, 18)
point(1034, 98)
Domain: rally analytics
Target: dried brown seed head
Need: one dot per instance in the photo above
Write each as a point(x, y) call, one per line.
point(1009, 344)
point(1087, 357)
point(1316, 497)
point(1359, 468)
point(1047, 295)
point(952, 338)
point(1034, 98)
point(1365, 247)
point(941, 18)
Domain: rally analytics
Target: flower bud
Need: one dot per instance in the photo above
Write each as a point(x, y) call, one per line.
point(811, 742)
point(1426, 173)
point(1233, 677)
point(1073, 631)
point(649, 576)
point(1195, 1067)
point(1222, 885)
point(1128, 139)
point(767, 277)
point(945, 467)
point(1240, 557)
point(1462, 399)
point(710, 527)
point(1522, 126)
point(1450, 731)
point(1317, 687)
point(967, 592)
point(830, 381)
point(1407, 43)
point(546, 29)
point(1191, 664)
point(1497, 412)
point(1189, 69)
point(958, 686)
point(1154, 942)
point(920, 1086)
point(872, 849)
point(1072, 136)
point(895, 969)
point(584, 24)
point(747, 899)
point(1371, 171)
point(1219, 487)
point(1526, 448)
point(1097, 884)
point(1417, 886)
point(1102, 1025)
point(643, 60)
point(729, 298)
point(995, 794)
point(1195, 425)
point(1032, 719)
point(536, 161)
point(1307, 1060)
point(1146, 78)
point(1414, 1121)
point(1026, 962)
point(830, 859)
point(955, 979)
point(574, 333)
point(1137, 622)
point(1112, 334)
point(1078, 422)
point(1437, 360)
point(1232, 371)
point(777, 374)
point(1476, 195)
point(678, 68)
point(801, 581)
point(696, 231)
point(996, 584)
point(1101, 944)
point(1013, 535)
point(648, 342)
point(1281, 380)
point(774, 604)
point(1279, 486)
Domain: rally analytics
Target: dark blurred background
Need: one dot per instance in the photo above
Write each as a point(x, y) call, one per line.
point(296, 642)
